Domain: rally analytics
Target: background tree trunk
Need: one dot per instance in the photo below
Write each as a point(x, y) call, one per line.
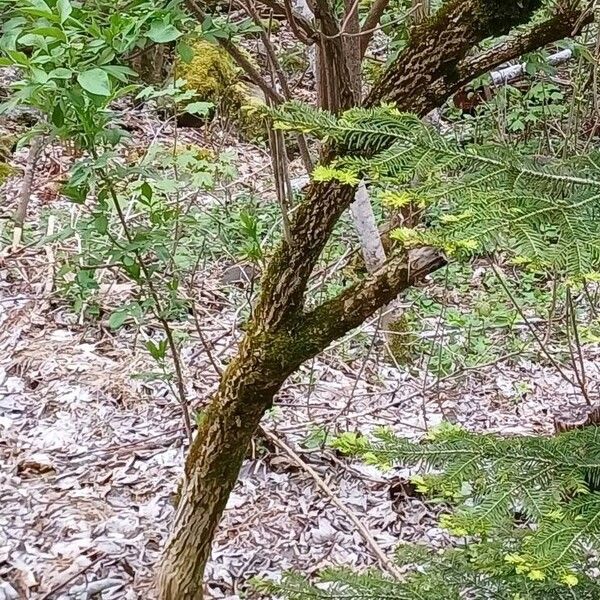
point(420, 10)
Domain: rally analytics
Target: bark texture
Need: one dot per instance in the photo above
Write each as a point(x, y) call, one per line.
point(438, 45)
point(282, 334)
point(267, 356)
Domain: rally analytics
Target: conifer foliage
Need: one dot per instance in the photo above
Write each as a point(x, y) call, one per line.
point(524, 512)
point(475, 197)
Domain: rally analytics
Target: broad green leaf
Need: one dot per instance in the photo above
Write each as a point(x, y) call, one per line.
point(119, 72)
point(146, 190)
point(60, 73)
point(58, 116)
point(161, 32)
point(39, 4)
point(100, 223)
point(14, 23)
point(39, 76)
point(199, 108)
point(75, 193)
point(51, 32)
point(30, 39)
point(158, 351)
point(117, 318)
point(186, 52)
point(64, 9)
point(95, 81)
point(133, 271)
point(38, 8)
point(18, 57)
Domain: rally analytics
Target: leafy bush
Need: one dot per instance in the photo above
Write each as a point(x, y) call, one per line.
point(72, 59)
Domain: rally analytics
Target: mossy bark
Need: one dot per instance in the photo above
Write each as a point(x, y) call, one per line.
point(265, 359)
point(283, 334)
point(427, 71)
point(214, 461)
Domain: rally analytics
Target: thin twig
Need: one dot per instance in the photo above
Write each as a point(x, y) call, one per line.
point(81, 571)
point(531, 328)
point(300, 26)
point(552, 310)
point(350, 13)
point(278, 73)
point(371, 23)
point(275, 65)
point(158, 311)
point(363, 33)
point(440, 340)
point(572, 327)
point(50, 257)
point(385, 562)
point(204, 342)
point(35, 151)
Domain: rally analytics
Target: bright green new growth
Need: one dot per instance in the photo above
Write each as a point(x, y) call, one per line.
point(527, 508)
point(476, 198)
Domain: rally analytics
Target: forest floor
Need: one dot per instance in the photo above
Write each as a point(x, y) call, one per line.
point(91, 452)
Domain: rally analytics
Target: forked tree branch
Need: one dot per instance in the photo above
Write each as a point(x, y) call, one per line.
point(281, 335)
point(439, 44)
point(566, 22)
point(334, 318)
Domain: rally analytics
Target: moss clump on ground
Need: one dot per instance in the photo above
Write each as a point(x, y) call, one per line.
point(5, 172)
point(6, 144)
point(212, 75)
point(402, 341)
point(251, 118)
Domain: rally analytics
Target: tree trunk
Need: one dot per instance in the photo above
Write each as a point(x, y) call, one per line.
point(150, 64)
point(282, 335)
point(213, 465)
point(420, 10)
point(264, 361)
point(423, 75)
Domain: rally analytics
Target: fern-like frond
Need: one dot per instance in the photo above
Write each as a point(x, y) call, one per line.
point(550, 481)
point(528, 509)
point(544, 211)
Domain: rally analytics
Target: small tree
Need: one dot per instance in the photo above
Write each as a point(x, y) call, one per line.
point(73, 86)
point(438, 59)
